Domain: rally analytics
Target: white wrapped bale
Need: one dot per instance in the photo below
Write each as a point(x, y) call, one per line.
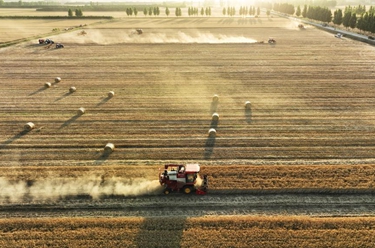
point(57, 80)
point(47, 85)
point(215, 98)
point(215, 117)
point(109, 147)
point(111, 94)
point(81, 111)
point(72, 89)
point(212, 132)
point(247, 105)
point(29, 126)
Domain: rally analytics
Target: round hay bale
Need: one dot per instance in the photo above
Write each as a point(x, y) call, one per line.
point(57, 80)
point(247, 104)
point(111, 94)
point(47, 85)
point(212, 132)
point(72, 89)
point(29, 126)
point(109, 147)
point(81, 111)
point(215, 98)
point(215, 117)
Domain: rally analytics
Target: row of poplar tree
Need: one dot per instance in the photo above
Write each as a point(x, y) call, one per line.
point(351, 17)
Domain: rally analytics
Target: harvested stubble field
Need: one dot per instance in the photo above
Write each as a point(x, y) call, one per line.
point(309, 133)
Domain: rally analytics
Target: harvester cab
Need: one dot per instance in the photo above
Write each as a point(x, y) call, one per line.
point(183, 178)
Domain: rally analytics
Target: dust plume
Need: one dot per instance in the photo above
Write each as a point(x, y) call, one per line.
point(106, 37)
point(50, 189)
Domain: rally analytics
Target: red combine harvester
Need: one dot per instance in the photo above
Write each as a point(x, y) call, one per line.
point(182, 178)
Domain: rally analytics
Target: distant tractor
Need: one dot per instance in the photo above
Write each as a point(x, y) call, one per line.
point(83, 32)
point(182, 178)
point(59, 45)
point(338, 35)
point(48, 41)
point(301, 26)
point(271, 41)
point(139, 31)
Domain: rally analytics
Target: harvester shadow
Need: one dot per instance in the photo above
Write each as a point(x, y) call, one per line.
point(104, 100)
point(248, 115)
point(70, 121)
point(38, 91)
point(161, 232)
point(63, 96)
point(15, 137)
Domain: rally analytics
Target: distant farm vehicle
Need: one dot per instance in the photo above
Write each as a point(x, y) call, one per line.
point(301, 26)
point(371, 37)
point(338, 35)
point(48, 41)
point(59, 45)
point(41, 41)
point(139, 31)
point(83, 32)
point(271, 41)
point(182, 178)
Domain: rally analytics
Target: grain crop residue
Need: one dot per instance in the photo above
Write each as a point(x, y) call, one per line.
point(51, 189)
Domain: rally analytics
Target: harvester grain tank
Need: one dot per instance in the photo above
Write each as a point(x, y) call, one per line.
point(183, 178)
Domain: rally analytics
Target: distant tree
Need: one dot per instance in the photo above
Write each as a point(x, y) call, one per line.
point(224, 11)
point(202, 11)
point(209, 11)
point(167, 12)
point(258, 11)
point(337, 17)
point(70, 13)
point(135, 11)
point(346, 19)
point(268, 12)
point(1, 2)
point(145, 11)
point(304, 11)
point(20, 3)
point(78, 12)
point(353, 21)
point(298, 11)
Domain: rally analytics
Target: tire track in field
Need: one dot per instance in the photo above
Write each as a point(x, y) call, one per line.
point(194, 205)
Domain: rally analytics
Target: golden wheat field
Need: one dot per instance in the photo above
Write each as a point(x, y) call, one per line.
point(296, 169)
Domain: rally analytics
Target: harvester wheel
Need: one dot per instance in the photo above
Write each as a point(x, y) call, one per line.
point(167, 191)
point(187, 190)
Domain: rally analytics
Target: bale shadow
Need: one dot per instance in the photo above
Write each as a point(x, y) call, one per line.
point(102, 158)
point(63, 96)
point(209, 147)
point(248, 115)
point(214, 105)
point(38, 91)
point(70, 121)
point(161, 232)
point(104, 100)
point(15, 137)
